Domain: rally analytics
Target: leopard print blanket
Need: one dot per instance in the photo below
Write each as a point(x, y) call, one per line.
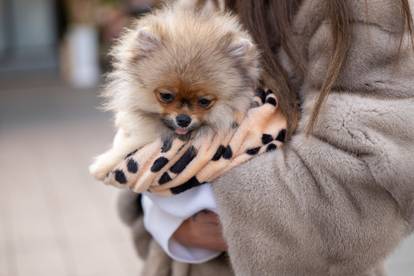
point(173, 166)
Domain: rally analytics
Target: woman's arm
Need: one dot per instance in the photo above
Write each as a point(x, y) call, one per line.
point(339, 201)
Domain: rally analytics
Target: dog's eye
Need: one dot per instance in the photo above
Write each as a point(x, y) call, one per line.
point(166, 97)
point(204, 102)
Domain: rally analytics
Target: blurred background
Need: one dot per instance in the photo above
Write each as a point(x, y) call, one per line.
point(54, 218)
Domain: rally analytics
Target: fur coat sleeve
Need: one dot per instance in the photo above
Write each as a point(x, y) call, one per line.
point(336, 202)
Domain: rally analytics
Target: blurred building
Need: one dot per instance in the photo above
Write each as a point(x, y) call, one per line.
point(54, 218)
point(28, 34)
point(69, 36)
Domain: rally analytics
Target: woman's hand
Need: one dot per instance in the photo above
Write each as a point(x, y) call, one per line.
point(203, 230)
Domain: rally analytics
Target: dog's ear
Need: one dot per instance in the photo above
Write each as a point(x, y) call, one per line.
point(240, 47)
point(148, 40)
point(245, 51)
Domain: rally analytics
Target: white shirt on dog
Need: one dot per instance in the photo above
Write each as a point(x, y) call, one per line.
point(163, 216)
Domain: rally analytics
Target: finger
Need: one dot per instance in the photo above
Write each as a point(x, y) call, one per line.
point(207, 217)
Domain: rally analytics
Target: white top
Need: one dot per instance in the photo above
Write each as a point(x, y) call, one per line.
point(163, 216)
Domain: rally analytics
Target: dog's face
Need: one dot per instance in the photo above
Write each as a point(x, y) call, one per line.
point(185, 70)
point(184, 109)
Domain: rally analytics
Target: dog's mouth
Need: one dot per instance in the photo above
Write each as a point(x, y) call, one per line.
point(181, 131)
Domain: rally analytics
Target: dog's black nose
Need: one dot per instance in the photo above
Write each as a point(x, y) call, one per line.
point(183, 120)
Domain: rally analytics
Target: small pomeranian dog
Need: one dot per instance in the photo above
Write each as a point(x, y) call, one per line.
point(179, 71)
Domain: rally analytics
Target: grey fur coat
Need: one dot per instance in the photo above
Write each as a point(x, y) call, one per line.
point(339, 201)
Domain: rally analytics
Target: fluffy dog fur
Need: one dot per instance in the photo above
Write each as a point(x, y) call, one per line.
point(190, 51)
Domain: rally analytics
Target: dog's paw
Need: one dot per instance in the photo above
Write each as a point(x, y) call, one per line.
point(100, 168)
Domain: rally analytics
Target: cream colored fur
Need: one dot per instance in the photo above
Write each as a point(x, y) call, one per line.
point(204, 47)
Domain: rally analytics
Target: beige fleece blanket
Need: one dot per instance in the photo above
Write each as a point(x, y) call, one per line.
point(173, 166)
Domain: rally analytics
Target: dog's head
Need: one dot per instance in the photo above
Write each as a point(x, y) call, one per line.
point(189, 69)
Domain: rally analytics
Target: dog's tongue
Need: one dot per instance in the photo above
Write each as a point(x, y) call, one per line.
point(181, 131)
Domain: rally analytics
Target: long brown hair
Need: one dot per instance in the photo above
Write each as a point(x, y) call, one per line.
point(270, 22)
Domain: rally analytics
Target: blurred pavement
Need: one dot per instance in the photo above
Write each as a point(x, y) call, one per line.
point(54, 218)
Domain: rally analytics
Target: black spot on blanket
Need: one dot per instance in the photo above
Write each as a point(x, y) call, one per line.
point(281, 137)
point(120, 177)
point(132, 166)
point(272, 101)
point(218, 153)
point(266, 139)
point(159, 164)
point(193, 182)
point(165, 178)
point(228, 153)
point(271, 147)
point(253, 151)
point(182, 163)
point(261, 94)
